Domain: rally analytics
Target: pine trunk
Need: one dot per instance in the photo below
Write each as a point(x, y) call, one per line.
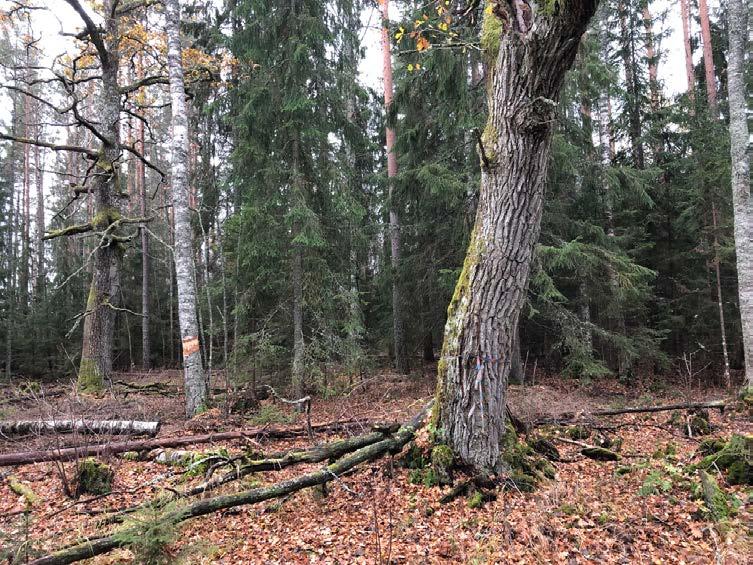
point(653, 62)
point(741, 197)
point(398, 331)
point(708, 59)
point(195, 385)
point(689, 72)
point(526, 68)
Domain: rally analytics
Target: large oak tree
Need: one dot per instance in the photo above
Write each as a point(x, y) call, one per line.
point(529, 47)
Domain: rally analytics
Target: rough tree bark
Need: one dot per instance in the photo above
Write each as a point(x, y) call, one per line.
point(99, 323)
point(195, 384)
point(529, 47)
point(741, 197)
point(398, 330)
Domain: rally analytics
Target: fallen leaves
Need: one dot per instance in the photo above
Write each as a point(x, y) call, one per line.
point(591, 514)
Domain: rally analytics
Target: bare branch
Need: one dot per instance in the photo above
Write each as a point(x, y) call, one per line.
point(56, 147)
point(146, 81)
point(94, 33)
point(136, 4)
point(133, 151)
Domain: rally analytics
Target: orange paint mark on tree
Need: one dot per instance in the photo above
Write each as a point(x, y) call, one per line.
point(190, 346)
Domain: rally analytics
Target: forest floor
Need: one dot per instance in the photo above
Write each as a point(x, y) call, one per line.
point(637, 510)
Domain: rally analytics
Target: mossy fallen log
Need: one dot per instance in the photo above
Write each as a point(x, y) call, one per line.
point(23, 490)
point(255, 464)
point(334, 471)
point(735, 457)
point(713, 497)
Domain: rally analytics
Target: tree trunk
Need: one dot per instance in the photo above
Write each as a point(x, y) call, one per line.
point(299, 345)
point(607, 155)
point(398, 330)
point(195, 385)
point(39, 286)
point(527, 65)
point(741, 198)
point(689, 72)
point(146, 346)
point(23, 267)
point(708, 60)
point(627, 50)
point(99, 325)
point(720, 302)
point(114, 427)
point(651, 56)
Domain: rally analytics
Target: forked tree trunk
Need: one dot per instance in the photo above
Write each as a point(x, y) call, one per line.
point(195, 384)
point(398, 330)
point(526, 68)
point(741, 197)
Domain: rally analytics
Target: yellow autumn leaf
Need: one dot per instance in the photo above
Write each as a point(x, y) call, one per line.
point(422, 44)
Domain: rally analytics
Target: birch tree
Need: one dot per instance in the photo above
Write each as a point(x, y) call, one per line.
point(195, 384)
point(529, 46)
point(741, 198)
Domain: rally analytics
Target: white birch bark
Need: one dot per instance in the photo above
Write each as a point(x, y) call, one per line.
point(195, 384)
point(741, 198)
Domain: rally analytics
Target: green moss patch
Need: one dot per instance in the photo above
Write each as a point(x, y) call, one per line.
point(735, 457)
point(93, 477)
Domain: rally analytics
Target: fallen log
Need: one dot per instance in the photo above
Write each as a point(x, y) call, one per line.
point(112, 427)
point(718, 404)
point(571, 418)
point(273, 462)
point(91, 548)
point(102, 449)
